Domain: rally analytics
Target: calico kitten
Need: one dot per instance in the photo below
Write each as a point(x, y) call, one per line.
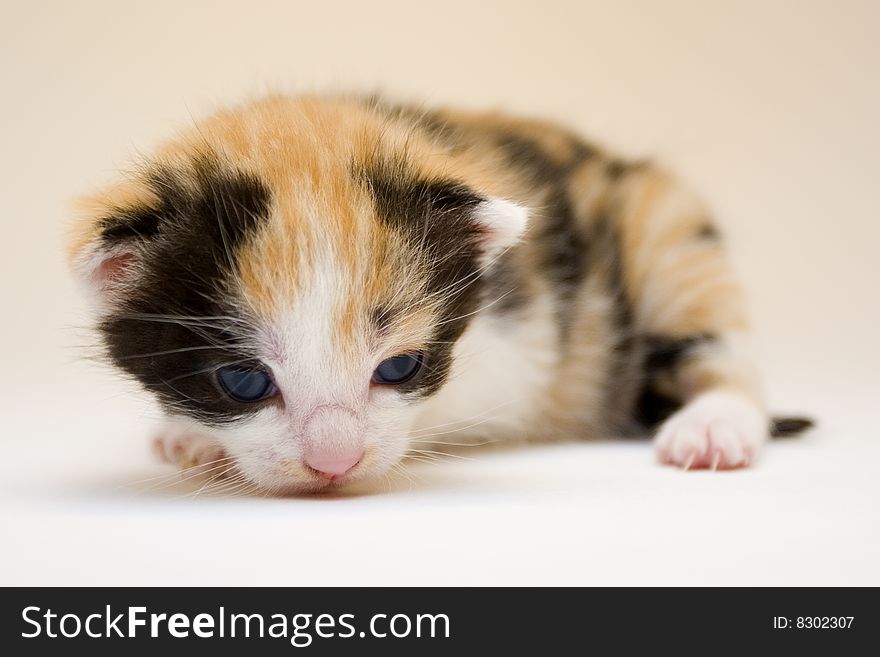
point(314, 288)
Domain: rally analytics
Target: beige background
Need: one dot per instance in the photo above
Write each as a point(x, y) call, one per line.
point(769, 108)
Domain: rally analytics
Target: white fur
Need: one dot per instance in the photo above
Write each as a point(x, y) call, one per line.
point(102, 293)
point(499, 369)
point(182, 444)
point(718, 429)
point(505, 223)
point(328, 402)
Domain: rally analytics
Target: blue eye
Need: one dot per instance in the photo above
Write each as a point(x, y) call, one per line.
point(246, 385)
point(398, 369)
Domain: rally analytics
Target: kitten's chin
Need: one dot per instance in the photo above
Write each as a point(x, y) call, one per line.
point(307, 483)
point(271, 472)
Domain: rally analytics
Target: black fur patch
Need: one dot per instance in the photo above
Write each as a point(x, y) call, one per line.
point(530, 157)
point(625, 370)
point(140, 223)
point(709, 232)
point(175, 328)
point(503, 292)
point(565, 247)
point(653, 407)
point(436, 218)
point(565, 253)
point(663, 355)
point(617, 169)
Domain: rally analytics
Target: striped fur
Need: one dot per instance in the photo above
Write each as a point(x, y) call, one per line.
point(315, 237)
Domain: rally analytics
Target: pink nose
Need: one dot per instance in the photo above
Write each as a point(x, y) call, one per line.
point(331, 465)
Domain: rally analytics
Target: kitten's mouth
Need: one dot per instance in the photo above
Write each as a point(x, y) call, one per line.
point(297, 476)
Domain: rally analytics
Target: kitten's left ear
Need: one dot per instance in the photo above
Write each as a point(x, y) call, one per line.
point(502, 222)
point(106, 244)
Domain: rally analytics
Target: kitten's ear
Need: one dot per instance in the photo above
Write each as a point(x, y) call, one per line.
point(503, 223)
point(109, 239)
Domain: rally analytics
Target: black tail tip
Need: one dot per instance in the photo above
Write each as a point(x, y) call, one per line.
point(786, 427)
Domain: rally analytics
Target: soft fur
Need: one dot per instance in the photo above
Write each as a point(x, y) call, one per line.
point(553, 291)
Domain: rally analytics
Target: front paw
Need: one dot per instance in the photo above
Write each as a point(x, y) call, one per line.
point(186, 449)
point(718, 430)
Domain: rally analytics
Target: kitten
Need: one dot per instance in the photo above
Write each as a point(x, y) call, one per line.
point(314, 288)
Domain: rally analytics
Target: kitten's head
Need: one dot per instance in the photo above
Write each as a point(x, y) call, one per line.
point(292, 278)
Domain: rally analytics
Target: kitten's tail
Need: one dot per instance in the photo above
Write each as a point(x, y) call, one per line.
point(788, 427)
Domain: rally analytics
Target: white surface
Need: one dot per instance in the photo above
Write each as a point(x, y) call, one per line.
point(769, 108)
point(77, 511)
